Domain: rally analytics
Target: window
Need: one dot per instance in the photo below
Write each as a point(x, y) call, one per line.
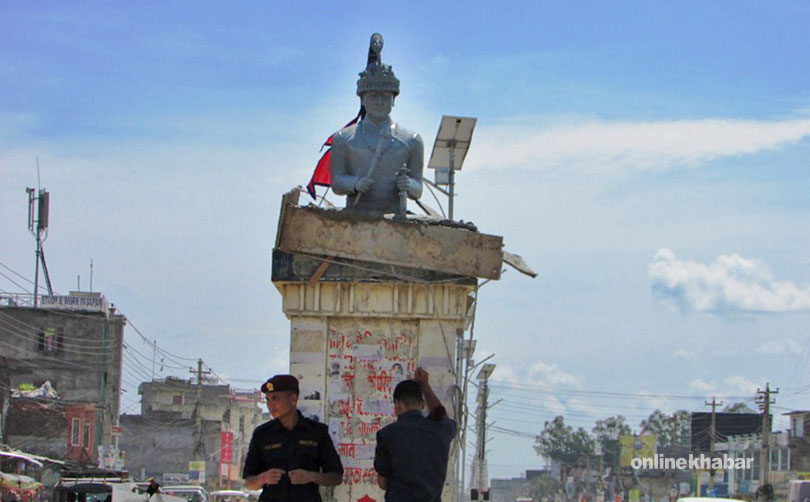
point(780, 459)
point(75, 432)
point(798, 426)
point(177, 399)
point(49, 340)
point(87, 435)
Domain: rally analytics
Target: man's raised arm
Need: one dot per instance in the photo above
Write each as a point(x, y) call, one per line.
point(435, 408)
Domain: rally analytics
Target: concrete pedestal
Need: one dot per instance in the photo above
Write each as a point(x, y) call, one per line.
point(353, 336)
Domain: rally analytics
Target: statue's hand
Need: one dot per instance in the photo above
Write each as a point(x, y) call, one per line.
point(363, 185)
point(403, 182)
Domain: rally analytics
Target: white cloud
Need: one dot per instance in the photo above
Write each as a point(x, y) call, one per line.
point(654, 402)
point(578, 405)
point(730, 283)
point(539, 373)
point(741, 385)
point(683, 354)
point(543, 376)
point(551, 375)
point(553, 405)
point(506, 373)
point(701, 385)
point(599, 144)
point(780, 348)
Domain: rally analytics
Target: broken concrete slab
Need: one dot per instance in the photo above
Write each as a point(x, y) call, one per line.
point(405, 243)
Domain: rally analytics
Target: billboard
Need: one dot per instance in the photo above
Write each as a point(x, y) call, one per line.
point(726, 424)
point(637, 447)
point(82, 302)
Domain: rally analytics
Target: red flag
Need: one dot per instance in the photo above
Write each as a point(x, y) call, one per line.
point(323, 171)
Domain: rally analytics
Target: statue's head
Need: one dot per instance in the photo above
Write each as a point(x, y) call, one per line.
point(376, 45)
point(377, 76)
point(378, 104)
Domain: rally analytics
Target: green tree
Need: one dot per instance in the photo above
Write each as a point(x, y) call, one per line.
point(562, 443)
point(740, 407)
point(672, 430)
point(607, 432)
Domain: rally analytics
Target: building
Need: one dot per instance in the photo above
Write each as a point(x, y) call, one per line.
point(742, 482)
point(182, 423)
point(799, 440)
point(60, 375)
point(508, 490)
point(534, 485)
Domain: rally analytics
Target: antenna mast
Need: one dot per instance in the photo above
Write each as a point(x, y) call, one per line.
point(39, 229)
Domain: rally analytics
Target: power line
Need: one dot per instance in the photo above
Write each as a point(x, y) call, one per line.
point(581, 392)
point(16, 273)
point(15, 283)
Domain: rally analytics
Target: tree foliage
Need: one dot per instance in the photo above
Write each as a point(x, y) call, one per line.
point(562, 443)
point(672, 430)
point(607, 433)
point(740, 407)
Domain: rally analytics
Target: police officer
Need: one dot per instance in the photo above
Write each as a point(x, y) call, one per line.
point(291, 455)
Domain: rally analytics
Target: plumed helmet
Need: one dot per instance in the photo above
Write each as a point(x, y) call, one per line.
point(377, 76)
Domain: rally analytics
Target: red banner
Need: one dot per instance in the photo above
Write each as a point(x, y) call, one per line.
point(226, 453)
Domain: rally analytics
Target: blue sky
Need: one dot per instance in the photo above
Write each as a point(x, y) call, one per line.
point(648, 159)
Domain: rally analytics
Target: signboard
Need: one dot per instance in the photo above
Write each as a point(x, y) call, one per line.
point(726, 424)
point(110, 457)
point(226, 451)
point(87, 302)
point(196, 465)
point(637, 447)
point(171, 478)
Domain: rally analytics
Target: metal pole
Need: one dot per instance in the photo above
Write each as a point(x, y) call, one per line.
point(765, 458)
point(403, 194)
point(452, 145)
point(714, 404)
point(482, 466)
point(459, 413)
point(36, 273)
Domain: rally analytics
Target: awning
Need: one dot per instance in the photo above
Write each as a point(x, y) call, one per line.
point(18, 482)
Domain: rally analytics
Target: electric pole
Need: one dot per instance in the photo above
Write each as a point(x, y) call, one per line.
point(764, 401)
point(199, 447)
point(713, 434)
point(480, 473)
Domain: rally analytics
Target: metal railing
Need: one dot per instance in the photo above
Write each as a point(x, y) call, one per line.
point(16, 300)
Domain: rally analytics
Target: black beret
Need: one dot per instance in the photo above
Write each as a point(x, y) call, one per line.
point(279, 383)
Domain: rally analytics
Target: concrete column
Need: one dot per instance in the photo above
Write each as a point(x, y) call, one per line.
point(352, 342)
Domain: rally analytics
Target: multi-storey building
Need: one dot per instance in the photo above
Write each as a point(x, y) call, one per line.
point(185, 421)
point(60, 375)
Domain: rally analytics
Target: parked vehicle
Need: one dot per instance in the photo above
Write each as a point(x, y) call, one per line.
point(105, 490)
point(229, 496)
point(799, 491)
point(708, 499)
point(192, 493)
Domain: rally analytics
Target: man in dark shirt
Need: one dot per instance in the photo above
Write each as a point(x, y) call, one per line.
point(291, 455)
point(411, 456)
